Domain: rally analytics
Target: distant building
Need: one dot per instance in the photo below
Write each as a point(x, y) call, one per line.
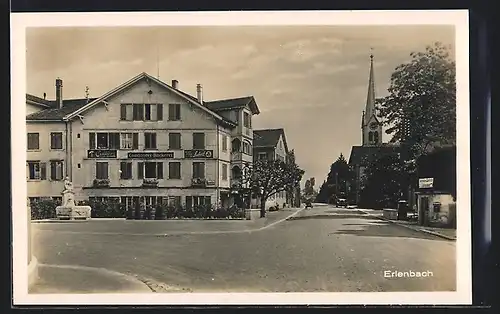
point(141, 142)
point(271, 144)
point(372, 146)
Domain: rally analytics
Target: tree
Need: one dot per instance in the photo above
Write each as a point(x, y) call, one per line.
point(384, 182)
point(420, 108)
point(269, 177)
point(337, 182)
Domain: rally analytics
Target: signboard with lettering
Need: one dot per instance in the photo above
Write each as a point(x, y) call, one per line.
point(98, 153)
point(151, 155)
point(198, 153)
point(425, 183)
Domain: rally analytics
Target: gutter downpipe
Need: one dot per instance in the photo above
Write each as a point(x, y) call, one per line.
point(217, 189)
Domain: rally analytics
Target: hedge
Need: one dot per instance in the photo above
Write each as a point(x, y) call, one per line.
point(44, 209)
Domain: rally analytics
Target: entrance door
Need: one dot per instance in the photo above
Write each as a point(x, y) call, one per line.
point(423, 215)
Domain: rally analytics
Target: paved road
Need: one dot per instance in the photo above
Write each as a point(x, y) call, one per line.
point(324, 249)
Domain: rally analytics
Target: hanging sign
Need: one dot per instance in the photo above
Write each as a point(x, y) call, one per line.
point(98, 153)
point(425, 183)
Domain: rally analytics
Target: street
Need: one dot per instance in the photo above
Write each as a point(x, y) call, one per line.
point(324, 249)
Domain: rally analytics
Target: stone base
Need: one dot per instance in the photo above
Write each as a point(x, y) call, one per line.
point(252, 214)
point(74, 212)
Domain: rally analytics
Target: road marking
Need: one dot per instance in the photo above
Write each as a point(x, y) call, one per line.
point(181, 233)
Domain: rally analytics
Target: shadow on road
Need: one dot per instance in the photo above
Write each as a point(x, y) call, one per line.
point(385, 229)
point(337, 216)
point(353, 212)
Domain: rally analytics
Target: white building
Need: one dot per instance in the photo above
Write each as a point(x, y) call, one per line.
point(143, 141)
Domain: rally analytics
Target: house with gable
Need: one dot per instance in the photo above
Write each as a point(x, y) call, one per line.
point(271, 144)
point(142, 142)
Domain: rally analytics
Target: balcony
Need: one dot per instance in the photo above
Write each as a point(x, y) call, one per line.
point(199, 182)
point(101, 183)
point(150, 183)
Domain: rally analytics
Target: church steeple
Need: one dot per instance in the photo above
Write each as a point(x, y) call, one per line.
point(370, 99)
point(371, 127)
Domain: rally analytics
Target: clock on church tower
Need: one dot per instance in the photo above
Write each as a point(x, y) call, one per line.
point(373, 125)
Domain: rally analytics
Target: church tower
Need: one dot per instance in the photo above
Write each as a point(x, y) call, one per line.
point(371, 127)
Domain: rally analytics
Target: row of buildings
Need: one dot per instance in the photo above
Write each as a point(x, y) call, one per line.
point(145, 142)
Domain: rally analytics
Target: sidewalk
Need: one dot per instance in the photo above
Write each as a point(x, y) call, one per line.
point(449, 234)
point(79, 279)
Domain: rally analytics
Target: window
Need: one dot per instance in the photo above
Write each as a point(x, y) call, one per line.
point(33, 141)
point(247, 122)
point(127, 112)
point(224, 142)
point(159, 112)
point(262, 156)
point(123, 112)
point(375, 137)
point(129, 141)
point(101, 170)
point(247, 148)
point(174, 112)
point(195, 201)
point(138, 112)
point(102, 140)
point(370, 136)
point(199, 170)
point(150, 170)
point(174, 140)
point(198, 140)
point(37, 170)
point(224, 172)
point(56, 170)
point(125, 170)
point(174, 170)
point(149, 140)
point(56, 140)
point(147, 112)
point(436, 207)
point(114, 140)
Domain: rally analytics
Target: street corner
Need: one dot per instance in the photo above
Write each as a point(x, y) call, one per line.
point(67, 279)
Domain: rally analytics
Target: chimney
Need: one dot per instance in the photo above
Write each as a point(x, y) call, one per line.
point(44, 96)
point(199, 93)
point(175, 84)
point(59, 100)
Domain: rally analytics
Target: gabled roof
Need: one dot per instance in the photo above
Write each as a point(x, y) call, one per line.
point(34, 100)
point(233, 103)
point(269, 138)
point(56, 114)
point(362, 155)
point(136, 79)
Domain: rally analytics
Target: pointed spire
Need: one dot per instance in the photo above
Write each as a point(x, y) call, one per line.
point(370, 99)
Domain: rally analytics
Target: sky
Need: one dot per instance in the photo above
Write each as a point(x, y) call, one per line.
point(310, 80)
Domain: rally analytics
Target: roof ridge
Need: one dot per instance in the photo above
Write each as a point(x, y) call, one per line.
point(224, 99)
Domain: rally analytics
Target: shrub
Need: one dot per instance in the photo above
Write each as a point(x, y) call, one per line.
point(235, 212)
point(159, 212)
point(148, 212)
point(108, 209)
point(44, 209)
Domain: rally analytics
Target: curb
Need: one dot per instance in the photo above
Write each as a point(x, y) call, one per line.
point(412, 228)
point(32, 272)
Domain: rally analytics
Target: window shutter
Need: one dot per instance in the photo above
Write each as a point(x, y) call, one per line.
point(159, 170)
point(123, 165)
point(159, 112)
point(123, 112)
point(91, 140)
point(43, 171)
point(129, 170)
point(153, 140)
point(53, 174)
point(140, 170)
point(135, 141)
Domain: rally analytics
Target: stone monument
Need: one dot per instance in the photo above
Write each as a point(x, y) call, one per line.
point(68, 209)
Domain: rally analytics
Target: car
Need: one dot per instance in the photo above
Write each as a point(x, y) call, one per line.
point(342, 202)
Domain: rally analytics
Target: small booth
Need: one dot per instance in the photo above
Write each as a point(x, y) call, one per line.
point(436, 193)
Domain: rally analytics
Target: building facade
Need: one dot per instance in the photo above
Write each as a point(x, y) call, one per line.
point(271, 144)
point(142, 142)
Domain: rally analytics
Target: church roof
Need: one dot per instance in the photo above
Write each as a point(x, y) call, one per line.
point(362, 155)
